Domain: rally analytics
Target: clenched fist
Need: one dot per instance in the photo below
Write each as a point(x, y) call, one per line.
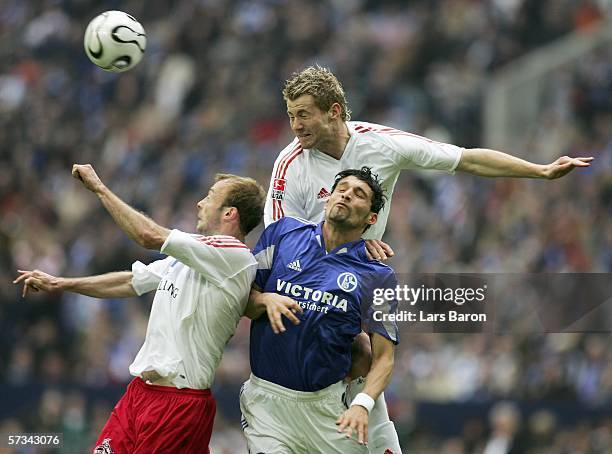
point(88, 176)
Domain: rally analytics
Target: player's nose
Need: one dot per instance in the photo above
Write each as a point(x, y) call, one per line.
point(296, 125)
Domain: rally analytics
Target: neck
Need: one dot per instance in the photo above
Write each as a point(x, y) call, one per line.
point(335, 235)
point(339, 137)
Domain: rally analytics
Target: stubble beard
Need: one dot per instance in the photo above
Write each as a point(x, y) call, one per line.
point(339, 219)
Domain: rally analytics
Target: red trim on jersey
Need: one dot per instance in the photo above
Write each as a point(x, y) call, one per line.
point(362, 129)
point(390, 131)
point(222, 241)
point(281, 172)
point(224, 246)
point(224, 237)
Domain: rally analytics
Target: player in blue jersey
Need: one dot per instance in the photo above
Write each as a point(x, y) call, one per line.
point(293, 400)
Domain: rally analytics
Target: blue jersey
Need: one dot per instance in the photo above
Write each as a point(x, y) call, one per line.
point(335, 291)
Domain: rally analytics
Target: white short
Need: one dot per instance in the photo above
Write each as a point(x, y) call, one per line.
point(278, 420)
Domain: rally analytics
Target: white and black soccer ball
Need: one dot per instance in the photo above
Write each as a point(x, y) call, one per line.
point(115, 41)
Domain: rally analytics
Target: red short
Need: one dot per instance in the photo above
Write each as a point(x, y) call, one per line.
point(158, 419)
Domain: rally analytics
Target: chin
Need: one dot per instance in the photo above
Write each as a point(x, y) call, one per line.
point(338, 218)
point(308, 143)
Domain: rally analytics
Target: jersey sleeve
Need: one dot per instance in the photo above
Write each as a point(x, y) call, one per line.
point(145, 278)
point(412, 151)
point(376, 307)
point(264, 251)
point(285, 195)
point(217, 258)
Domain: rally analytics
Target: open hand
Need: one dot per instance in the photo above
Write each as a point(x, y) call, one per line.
point(354, 419)
point(36, 280)
point(279, 305)
point(565, 165)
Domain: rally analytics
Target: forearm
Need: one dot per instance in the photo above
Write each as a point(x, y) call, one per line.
point(110, 285)
point(255, 307)
point(379, 377)
point(491, 163)
point(136, 225)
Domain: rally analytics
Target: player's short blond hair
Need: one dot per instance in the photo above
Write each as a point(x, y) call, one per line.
point(321, 84)
point(249, 198)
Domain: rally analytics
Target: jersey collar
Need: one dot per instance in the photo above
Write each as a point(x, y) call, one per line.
point(343, 248)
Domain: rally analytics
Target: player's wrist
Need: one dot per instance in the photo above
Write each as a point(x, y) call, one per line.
point(363, 400)
point(100, 190)
point(63, 284)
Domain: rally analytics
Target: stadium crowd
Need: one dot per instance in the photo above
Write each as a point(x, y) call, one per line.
point(206, 98)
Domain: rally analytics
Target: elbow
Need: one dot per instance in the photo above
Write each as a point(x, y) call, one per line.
point(151, 240)
point(466, 162)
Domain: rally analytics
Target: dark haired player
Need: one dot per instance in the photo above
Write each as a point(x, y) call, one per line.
point(293, 400)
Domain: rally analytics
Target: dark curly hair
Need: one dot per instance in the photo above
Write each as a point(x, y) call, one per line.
point(365, 174)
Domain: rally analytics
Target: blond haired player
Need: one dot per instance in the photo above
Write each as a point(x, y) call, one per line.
point(201, 291)
point(327, 142)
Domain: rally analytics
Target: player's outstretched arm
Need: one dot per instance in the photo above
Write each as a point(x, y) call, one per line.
point(138, 226)
point(275, 306)
point(491, 163)
point(356, 417)
point(110, 285)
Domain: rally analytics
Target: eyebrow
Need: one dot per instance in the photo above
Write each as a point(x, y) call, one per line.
point(343, 184)
point(301, 109)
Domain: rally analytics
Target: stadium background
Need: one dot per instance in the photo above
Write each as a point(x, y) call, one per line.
point(206, 98)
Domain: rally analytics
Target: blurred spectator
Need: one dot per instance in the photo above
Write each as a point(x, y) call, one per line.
point(505, 419)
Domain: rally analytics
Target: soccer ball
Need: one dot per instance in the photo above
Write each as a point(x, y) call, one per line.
point(115, 41)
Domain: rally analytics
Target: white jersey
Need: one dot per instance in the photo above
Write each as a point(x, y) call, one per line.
point(302, 179)
point(202, 291)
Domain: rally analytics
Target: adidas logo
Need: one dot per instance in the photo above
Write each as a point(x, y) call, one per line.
point(295, 265)
point(323, 194)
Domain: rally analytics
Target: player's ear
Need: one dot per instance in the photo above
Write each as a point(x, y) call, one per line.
point(372, 218)
point(335, 111)
point(230, 213)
